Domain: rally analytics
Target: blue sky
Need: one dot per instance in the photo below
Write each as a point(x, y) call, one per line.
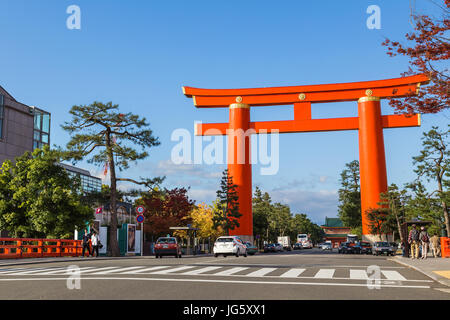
point(139, 54)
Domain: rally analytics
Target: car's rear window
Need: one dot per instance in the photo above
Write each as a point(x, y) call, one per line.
point(382, 244)
point(166, 240)
point(225, 240)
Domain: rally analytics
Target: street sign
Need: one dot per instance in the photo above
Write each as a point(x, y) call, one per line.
point(139, 218)
point(98, 211)
point(140, 209)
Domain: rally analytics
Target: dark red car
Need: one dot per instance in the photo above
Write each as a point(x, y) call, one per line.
point(167, 246)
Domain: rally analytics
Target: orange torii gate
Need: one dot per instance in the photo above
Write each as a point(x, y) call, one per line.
point(369, 122)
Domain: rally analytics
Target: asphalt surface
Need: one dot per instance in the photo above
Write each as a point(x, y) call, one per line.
point(296, 275)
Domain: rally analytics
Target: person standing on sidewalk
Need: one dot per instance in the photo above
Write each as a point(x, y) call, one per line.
point(413, 240)
point(86, 239)
point(434, 240)
point(94, 242)
point(425, 241)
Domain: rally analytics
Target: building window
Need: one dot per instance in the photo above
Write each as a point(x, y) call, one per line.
point(41, 129)
point(1, 115)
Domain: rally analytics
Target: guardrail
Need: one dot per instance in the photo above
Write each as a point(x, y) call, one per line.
point(16, 248)
point(445, 247)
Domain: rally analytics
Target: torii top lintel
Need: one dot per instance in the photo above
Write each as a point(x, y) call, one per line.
point(302, 97)
point(269, 96)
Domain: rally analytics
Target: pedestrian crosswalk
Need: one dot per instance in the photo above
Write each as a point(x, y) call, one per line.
point(216, 271)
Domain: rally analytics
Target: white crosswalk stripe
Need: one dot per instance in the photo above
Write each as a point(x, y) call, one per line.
point(292, 273)
point(144, 270)
point(65, 271)
point(358, 274)
point(392, 275)
point(222, 270)
point(231, 271)
point(172, 270)
point(199, 271)
point(261, 272)
point(116, 270)
point(325, 274)
point(34, 271)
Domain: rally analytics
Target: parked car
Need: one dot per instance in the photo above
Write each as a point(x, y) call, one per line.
point(395, 246)
point(297, 246)
point(326, 246)
point(278, 247)
point(269, 247)
point(381, 247)
point(251, 249)
point(345, 247)
point(229, 245)
point(363, 247)
point(167, 246)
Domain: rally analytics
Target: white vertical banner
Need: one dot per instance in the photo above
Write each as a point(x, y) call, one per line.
point(138, 241)
point(103, 237)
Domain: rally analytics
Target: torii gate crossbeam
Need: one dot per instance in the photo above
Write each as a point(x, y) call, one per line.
point(370, 124)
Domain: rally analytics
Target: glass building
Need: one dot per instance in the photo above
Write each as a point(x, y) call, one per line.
point(88, 183)
point(22, 128)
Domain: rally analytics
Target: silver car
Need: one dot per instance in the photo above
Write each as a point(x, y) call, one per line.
point(382, 247)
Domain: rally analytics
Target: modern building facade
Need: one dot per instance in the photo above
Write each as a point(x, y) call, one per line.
point(22, 128)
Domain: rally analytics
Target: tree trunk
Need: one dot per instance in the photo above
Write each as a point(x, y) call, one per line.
point(399, 227)
point(113, 244)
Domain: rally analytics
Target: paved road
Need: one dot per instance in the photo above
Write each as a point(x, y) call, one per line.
point(297, 275)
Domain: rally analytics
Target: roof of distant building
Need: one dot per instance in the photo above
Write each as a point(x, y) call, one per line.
point(333, 223)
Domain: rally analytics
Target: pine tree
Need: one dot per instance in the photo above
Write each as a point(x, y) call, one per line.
point(102, 129)
point(226, 214)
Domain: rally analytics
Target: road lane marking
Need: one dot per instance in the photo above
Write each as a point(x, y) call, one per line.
point(392, 275)
point(261, 272)
point(227, 281)
point(293, 273)
point(172, 270)
point(325, 274)
point(202, 270)
point(358, 274)
point(145, 269)
point(117, 270)
point(231, 271)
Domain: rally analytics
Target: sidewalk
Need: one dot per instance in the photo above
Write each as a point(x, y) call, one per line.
point(26, 261)
point(435, 268)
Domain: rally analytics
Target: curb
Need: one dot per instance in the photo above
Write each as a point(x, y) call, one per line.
point(430, 275)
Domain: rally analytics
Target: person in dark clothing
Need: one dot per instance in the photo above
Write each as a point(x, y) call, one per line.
point(86, 239)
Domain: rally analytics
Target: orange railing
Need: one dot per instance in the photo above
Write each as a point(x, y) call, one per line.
point(14, 248)
point(445, 247)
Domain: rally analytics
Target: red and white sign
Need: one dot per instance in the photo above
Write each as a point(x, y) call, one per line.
point(99, 210)
point(140, 209)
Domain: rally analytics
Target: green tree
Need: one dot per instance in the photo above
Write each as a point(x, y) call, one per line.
point(262, 206)
point(98, 130)
point(349, 209)
point(226, 211)
point(433, 164)
point(393, 204)
point(39, 199)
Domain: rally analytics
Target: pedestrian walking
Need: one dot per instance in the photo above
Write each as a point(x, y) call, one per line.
point(94, 241)
point(86, 239)
point(425, 241)
point(413, 240)
point(434, 240)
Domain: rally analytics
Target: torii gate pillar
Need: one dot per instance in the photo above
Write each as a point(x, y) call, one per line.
point(372, 160)
point(240, 168)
